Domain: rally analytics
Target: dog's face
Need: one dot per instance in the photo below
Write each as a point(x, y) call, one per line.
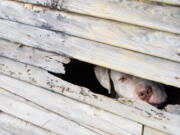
point(131, 86)
point(134, 87)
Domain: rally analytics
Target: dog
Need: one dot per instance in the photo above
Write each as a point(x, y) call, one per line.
point(129, 86)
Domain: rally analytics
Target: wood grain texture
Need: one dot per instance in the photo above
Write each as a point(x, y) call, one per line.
point(18, 98)
point(160, 17)
point(46, 60)
point(134, 110)
point(76, 111)
point(172, 2)
point(28, 102)
point(118, 34)
point(175, 109)
point(49, 3)
point(14, 126)
point(134, 63)
point(150, 131)
point(4, 132)
point(165, 18)
point(46, 120)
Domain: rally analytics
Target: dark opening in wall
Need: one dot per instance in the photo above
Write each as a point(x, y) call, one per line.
point(173, 95)
point(82, 74)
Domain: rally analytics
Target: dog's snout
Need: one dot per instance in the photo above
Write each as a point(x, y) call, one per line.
point(145, 93)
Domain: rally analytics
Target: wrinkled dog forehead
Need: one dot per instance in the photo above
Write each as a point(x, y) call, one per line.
point(132, 82)
point(129, 80)
point(117, 75)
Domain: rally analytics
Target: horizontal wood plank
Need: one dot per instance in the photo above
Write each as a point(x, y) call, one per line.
point(18, 98)
point(28, 102)
point(175, 109)
point(144, 66)
point(133, 110)
point(81, 113)
point(164, 18)
point(14, 126)
point(4, 132)
point(160, 17)
point(46, 120)
point(172, 2)
point(151, 131)
point(46, 60)
point(118, 34)
point(49, 3)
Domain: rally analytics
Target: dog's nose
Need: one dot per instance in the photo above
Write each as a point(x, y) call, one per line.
point(146, 93)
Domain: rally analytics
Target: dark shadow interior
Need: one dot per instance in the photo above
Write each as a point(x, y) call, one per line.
point(173, 95)
point(82, 74)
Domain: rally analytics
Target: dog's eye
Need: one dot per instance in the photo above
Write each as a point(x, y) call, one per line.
point(122, 79)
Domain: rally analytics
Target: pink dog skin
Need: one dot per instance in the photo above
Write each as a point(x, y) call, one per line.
point(129, 86)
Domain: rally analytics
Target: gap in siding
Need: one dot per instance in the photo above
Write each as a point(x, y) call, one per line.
point(173, 95)
point(82, 74)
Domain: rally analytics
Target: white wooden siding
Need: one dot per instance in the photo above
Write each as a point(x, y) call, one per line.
point(148, 41)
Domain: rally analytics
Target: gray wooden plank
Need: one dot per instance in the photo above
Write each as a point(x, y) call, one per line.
point(172, 2)
point(46, 60)
point(28, 102)
point(160, 17)
point(174, 109)
point(44, 119)
point(18, 98)
point(133, 110)
point(76, 111)
point(4, 132)
point(151, 131)
point(130, 62)
point(50, 3)
point(118, 34)
point(156, 16)
point(14, 126)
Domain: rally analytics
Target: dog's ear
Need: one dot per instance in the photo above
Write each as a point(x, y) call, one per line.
point(103, 76)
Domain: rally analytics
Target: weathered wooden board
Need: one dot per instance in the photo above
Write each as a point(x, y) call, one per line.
point(46, 120)
point(79, 112)
point(160, 17)
point(150, 131)
point(57, 4)
point(14, 126)
point(134, 63)
point(46, 60)
point(18, 98)
point(135, 38)
point(28, 102)
point(50, 3)
point(107, 122)
point(173, 2)
point(165, 18)
point(4, 132)
point(133, 110)
point(175, 109)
